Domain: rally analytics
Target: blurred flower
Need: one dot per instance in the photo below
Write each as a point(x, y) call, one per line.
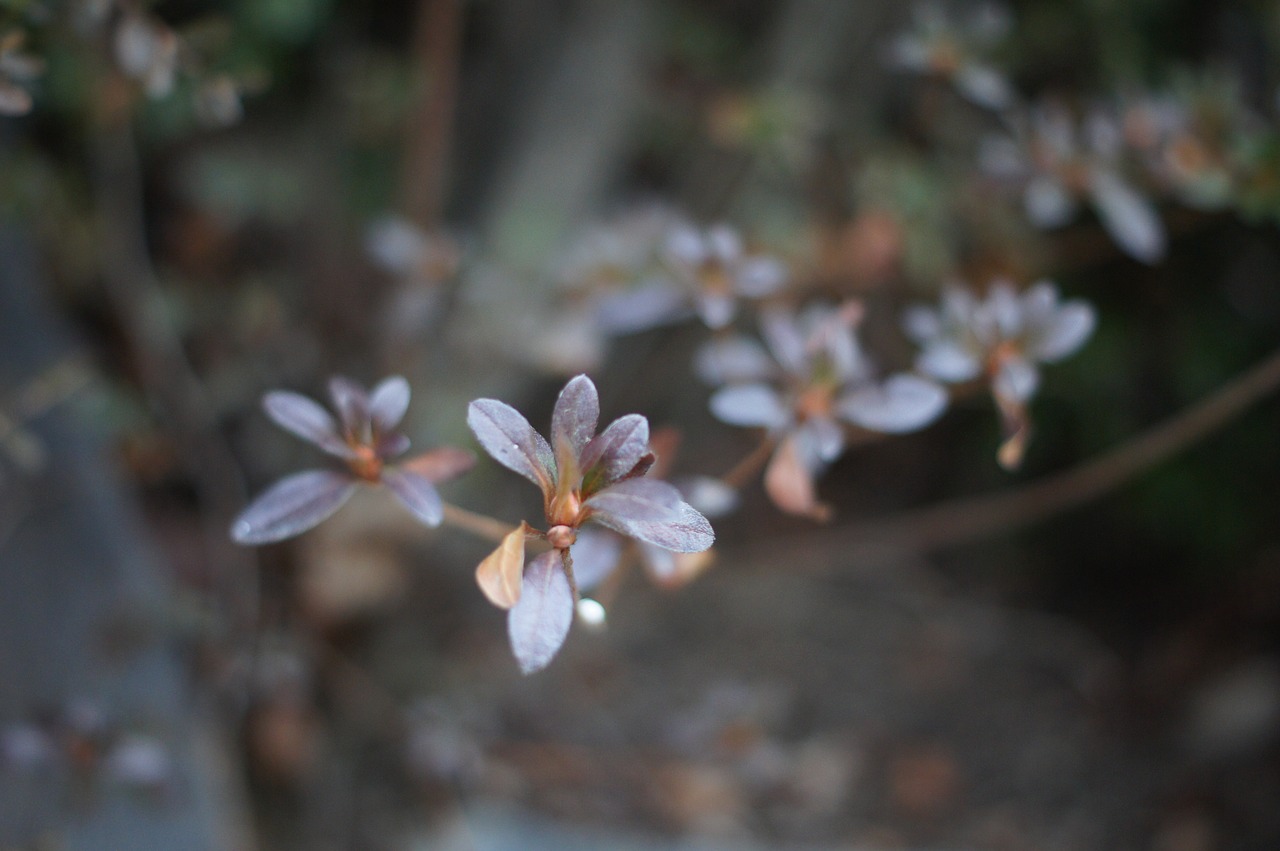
point(365, 437)
point(139, 760)
point(16, 67)
point(778, 124)
point(147, 50)
point(583, 476)
point(218, 101)
point(715, 268)
point(813, 378)
point(951, 45)
point(1000, 338)
point(1058, 163)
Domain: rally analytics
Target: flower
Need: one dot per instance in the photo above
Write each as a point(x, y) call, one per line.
point(950, 46)
point(365, 438)
point(148, 51)
point(1058, 162)
point(583, 476)
point(1001, 338)
point(714, 266)
point(825, 380)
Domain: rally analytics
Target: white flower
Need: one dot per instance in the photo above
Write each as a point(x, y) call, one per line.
point(951, 46)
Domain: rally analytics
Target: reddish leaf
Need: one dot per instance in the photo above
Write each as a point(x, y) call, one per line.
point(507, 436)
point(292, 506)
point(499, 574)
point(540, 621)
point(574, 419)
point(388, 403)
point(416, 493)
point(789, 482)
point(686, 531)
point(351, 402)
point(637, 499)
point(296, 413)
point(615, 452)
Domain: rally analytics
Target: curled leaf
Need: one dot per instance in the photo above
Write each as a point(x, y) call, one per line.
point(499, 574)
point(789, 482)
point(615, 451)
point(540, 621)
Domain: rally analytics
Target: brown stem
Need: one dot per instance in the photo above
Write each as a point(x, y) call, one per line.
point(480, 525)
point(437, 45)
point(741, 473)
point(974, 518)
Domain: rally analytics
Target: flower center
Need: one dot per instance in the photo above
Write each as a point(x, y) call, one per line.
point(366, 464)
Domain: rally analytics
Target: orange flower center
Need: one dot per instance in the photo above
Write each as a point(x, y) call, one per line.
point(366, 464)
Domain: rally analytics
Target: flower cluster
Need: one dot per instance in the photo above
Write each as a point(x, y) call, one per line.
point(812, 383)
point(16, 69)
point(1000, 338)
point(583, 477)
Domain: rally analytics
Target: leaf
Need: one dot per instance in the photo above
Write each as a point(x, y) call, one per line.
point(595, 555)
point(292, 506)
point(573, 422)
point(299, 415)
point(507, 436)
point(637, 499)
point(686, 531)
point(750, 405)
point(416, 493)
point(540, 621)
point(388, 403)
point(352, 404)
point(789, 482)
point(499, 574)
point(614, 452)
point(441, 464)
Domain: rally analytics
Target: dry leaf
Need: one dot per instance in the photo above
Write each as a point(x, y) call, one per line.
point(499, 575)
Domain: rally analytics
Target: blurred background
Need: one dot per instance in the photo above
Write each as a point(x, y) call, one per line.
point(202, 201)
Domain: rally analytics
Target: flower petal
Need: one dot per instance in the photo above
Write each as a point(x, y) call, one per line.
point(574, 419)
point(760, 276)
point(983, 85)
point(1070, 327)
point(1129, 218)
point(292, 506)
point(539, 623)
point(416, 493)
point(388, 403)
point(687, 531)
point(710, 496)
point(295, 413)
point(784, 338)
point(352, 404)
point(441, 464)
point(499, 574)
point(948, 360)
point(1047, 202)
point(750, 405)
point(507, 436)
point(903, 403)
point(637, 499)
point(614, 452)
point(715, 309)
point(649, 305)
point(733, 360)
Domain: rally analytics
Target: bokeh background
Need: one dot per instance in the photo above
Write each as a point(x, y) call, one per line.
point(963, 657)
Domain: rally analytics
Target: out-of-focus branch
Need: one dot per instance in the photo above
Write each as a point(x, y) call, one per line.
point(437, 48)
point(974, 518)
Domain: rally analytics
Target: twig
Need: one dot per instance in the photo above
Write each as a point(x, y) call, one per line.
point(741, 473)
point(480, 525)
point(974, 518)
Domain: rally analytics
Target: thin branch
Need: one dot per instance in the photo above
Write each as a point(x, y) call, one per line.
point(742, 472)
point(974, 518)
point(480, 525)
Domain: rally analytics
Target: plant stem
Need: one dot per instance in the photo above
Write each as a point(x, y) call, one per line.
point(742, 472)
point(480, 525)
